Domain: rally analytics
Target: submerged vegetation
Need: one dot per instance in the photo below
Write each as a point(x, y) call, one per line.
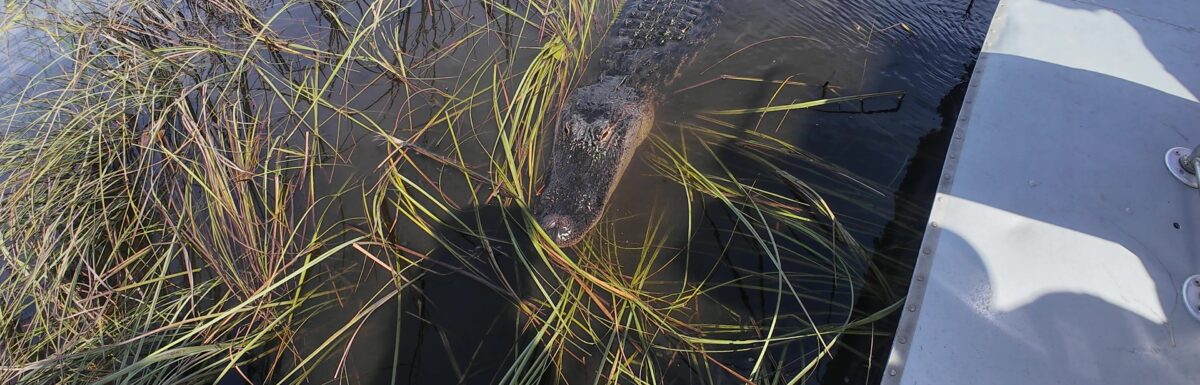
point(191, 188)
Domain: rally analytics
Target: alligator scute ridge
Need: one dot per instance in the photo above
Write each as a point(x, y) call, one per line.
point(604, 122)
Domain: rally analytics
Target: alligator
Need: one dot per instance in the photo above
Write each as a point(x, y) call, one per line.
point(604, 122)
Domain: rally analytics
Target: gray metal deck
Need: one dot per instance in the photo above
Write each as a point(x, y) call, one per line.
point(1058, 242)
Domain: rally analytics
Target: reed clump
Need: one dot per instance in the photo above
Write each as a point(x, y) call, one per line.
point(188, 185)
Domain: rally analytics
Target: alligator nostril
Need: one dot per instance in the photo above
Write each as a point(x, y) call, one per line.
point(556, 226)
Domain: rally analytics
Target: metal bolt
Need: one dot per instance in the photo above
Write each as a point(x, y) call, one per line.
point(903, 340)
point(920, 278)
point(892, 372)
point(934, 224)
point(912, 308)
point(927, 250)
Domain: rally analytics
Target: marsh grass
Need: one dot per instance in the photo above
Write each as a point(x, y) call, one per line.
point(175, 191)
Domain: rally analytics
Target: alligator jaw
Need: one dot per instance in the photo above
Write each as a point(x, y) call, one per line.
point(601, 127)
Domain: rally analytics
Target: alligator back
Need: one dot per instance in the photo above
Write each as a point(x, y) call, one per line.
point(651, 40)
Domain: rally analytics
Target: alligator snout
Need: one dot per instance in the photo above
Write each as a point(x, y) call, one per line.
point(560, 228)
point(601, 126)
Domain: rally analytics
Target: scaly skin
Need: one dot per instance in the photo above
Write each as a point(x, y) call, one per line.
point(604, 122)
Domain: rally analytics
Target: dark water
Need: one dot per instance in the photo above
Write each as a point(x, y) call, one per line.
point(456, 330)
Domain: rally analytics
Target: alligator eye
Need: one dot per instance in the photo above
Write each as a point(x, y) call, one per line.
point(606, 133)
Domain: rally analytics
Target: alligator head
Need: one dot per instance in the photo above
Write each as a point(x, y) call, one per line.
point(601, 126)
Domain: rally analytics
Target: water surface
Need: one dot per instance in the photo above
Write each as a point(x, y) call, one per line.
point(459, 330)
